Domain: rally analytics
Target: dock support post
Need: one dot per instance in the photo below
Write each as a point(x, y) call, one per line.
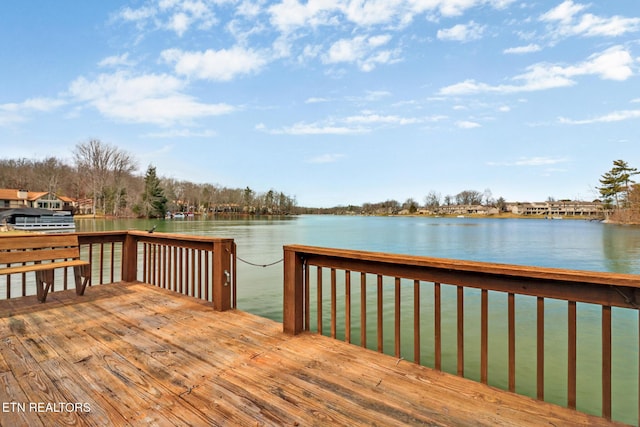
point(293, 319)
point(222, 281)
point(130, 258)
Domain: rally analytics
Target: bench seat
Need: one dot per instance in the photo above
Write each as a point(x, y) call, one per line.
point(40, 267)
point(43, 254)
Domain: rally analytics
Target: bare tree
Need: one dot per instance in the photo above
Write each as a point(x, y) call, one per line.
point(123, 166)
point(488, 198)
point(410, 205)
point(17, 174)
point(432, 201)
point(469, 197)
point(104, 166)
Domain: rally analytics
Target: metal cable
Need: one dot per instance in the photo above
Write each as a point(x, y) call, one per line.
point(259, 265)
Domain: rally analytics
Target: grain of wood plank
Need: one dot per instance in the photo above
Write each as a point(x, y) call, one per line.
point(366, 402)
point(31, 337)
point(471, 402)
point(66, 340)
point(4, 366)
point(134, 392)
point(36, 385)
point(365, 389)
point(102, 334)
point(99, 367)
point(197, 330)
point(156, 357)
point(304, 385)
point(209, 362)
point(12, 395)
point(94, 408)
point(199, 364)
point(188, 377)
point(471, 414)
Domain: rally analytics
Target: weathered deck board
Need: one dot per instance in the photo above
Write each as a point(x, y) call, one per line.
point(142, 355)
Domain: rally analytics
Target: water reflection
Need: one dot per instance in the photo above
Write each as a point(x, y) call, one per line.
point(621, 248)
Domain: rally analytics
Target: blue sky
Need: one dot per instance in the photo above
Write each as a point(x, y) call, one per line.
point(332, 101)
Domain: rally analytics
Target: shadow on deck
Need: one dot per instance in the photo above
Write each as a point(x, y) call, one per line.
point(131, 353)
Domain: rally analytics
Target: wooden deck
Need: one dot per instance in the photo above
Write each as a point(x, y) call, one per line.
point(133, 354)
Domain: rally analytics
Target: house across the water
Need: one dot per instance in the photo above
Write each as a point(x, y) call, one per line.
point(35, 211)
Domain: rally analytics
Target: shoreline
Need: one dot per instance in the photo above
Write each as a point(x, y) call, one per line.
point(505, 215)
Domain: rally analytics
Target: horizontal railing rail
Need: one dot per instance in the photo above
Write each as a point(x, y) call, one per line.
point(469, 286)
point(201, 267)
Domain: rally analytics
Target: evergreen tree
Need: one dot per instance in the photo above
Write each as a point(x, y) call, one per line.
point(616, 184)
point(154, 202)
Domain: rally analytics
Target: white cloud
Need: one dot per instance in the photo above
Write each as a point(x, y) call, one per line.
point(41, 104)
point(291, 15)
point(566, 16)
point(308, 52)
point(372, 118)
point(370, 96)
point(563, 13)
point(367, 121)
point(523, 49)
point(462, 32)
point(465, 124)
point(136, 15)
point(313, 129)
point(614, 63)
point(467, 87)
point(539, 161)
point(326, 158)
point(10, 117)
point(218, 65)
point(179, 23)
point(181, 133)
point(176, 16)
point(531, 161)
point(458, 7)
point(361, 50)
point(373, 12)
point(115, 61)
point(346, 50)
point(147, 98)
point(616, 116)
point(11, 113)
point(316, 100)
point(248, 9)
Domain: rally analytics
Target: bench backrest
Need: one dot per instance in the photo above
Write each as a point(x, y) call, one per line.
point(37, 248)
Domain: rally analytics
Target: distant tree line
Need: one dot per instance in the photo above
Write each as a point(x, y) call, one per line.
point(433, 202)
point(105, 175)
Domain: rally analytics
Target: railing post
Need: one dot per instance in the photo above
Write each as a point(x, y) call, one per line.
point(222, 275)
point(293, 292)
point(130, 258)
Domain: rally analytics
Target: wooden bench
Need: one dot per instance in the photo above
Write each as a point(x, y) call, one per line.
point(42, 254)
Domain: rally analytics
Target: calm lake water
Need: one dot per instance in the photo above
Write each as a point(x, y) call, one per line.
point(572, 244)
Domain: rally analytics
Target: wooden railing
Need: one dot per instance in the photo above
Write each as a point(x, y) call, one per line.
point(201, 267)
point(403, 279)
